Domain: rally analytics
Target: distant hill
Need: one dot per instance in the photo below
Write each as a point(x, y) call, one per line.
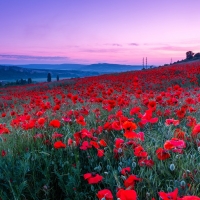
point(14, 73)
point(38, 71)
point(100, 67)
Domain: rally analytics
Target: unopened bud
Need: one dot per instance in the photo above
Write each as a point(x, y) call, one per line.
point(172, 167)
point(183, 183)
point(169, 189)
point(133, 164)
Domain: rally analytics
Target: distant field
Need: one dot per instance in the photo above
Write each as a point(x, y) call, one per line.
point(129, 136)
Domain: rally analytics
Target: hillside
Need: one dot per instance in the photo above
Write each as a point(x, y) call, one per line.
point(99, 67)
point(14, 72)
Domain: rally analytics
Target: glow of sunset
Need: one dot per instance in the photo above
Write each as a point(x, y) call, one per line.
point(97, 31)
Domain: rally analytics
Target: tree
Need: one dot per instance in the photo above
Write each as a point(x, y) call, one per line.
point(197, 55)
point(189, 55)
point(29, 80)
point(57, 77)
point(49, 77)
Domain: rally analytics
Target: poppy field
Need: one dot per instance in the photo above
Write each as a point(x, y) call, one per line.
point(126, 136)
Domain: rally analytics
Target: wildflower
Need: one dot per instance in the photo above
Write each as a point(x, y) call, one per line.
point(189, 198)
point(140, 152)
point(125, 170)
point(129, 126)
point(168, 122)
point(146, 162)
point(55, 123)
point(196, 130)
point(85, 145)
point(103, 143)
point(3, 153)
point(130, 181)
point(59, 144)
point(100, 153)
point(127, 194)
point(179, 134)
point(132, 135)
point(169, 196)
point(56, 135)
point(162, 154)
point(3, 129)
point(174, 143)
point(134, 110)
point(41, 121)
point(147, 118)
point(105, 194)
point(92, 178)
point(80, 120)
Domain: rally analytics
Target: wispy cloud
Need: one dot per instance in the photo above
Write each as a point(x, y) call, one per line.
point(29, 57)
point(175, 48)
point(102, 50)
point(134, 44)
point(115, 44)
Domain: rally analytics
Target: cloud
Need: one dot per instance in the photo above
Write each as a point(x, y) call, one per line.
point(100, 50)
point(29, 57)
point(134, 44)
point(174, 48)
point(115, 44)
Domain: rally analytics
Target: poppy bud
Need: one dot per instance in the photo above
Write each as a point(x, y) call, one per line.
point(183, 184)
point(172, 167)
point(133, 164)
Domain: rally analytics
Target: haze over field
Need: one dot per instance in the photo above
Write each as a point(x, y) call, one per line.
point(87, 32)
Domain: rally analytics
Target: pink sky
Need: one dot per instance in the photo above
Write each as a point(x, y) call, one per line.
point(92, 31)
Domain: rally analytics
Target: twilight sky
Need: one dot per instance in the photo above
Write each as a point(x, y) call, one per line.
point(93, 31)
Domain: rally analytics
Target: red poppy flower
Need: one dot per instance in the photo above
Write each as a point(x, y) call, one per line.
point(59, 144)
point(174, 143)
point(3, 115)
point(116, 126)
point(169, 196)
point(103, 143)
point(85, 145)
point(119, 143)
point(132, 135)
point(105, 194)
point(171, 121)
point(125, 170)
point(196, 131)
point(41, 121)
point(55, 123)
point(127, 194)
point(179, 134)
point(147, 118)
point(56, 135)
point(70, 142)
point(145, 162)
point(94, 144)
point(3, 153)
point(134, 110)
point(3, 129)
point(189, 198)
point(162, 154)
point(80, 120)
point(152, 105)
point(140, 152)
point(100, 153)
point(129, 126)
point(130, 181)
point(93, 178)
